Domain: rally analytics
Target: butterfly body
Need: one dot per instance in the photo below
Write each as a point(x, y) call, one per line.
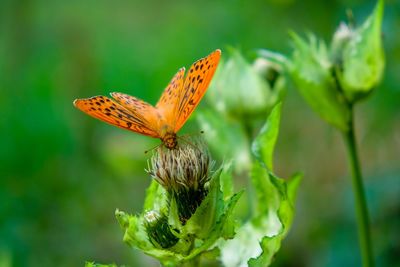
point(169, 140)
point(167, 117)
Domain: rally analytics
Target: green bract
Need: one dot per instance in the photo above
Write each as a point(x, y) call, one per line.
point(362, 57)
point(311, 71)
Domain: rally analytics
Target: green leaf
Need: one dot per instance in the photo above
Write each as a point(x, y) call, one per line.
point(208, 223)
point(271, 245)
point(155, 197)
point(135, 232)
point(258, 240)
point(363, 57)
point(311, 71)
point(203, 220)
point(173, 217)
point(264, 144)
point(122, 218)
point(214, 211)
point(219, 226)
point(226, 180)
point(227, 190)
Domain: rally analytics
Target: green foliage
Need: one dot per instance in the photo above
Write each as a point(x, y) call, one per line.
point(331, 80)
point(264, 143)
point(197, 236)
point(212, 228)
point(346, 74)
point(240, 95)
point(258, 240)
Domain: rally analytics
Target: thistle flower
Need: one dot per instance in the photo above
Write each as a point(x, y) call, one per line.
point(183, 172)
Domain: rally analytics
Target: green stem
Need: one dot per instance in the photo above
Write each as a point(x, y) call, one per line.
point(248, 130)
point(359, 195)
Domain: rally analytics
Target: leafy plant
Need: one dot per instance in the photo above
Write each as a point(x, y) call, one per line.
point(189, 208)
point(332, 80)
point(210, 228)
point(259, 238)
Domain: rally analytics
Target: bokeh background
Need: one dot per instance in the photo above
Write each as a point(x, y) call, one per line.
point(63, 174)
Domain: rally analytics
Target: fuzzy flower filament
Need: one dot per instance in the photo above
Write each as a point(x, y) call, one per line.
point(183, 172)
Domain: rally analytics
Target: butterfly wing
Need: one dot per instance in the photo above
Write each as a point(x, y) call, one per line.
point(142, 110)
point(170, 98)
point(176, 104)
point(139, 119)
point(196, 83)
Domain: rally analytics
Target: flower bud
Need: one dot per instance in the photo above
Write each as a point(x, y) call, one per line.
point(311, 71)
point(239, 90)
point(158, 230)
point(340, 39)
point(183, 172)
point(361, 56)
point(272, 73)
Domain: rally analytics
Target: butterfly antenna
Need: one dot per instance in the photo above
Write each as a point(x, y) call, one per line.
point(151, 149)
point(185, 136)
point(191, 134)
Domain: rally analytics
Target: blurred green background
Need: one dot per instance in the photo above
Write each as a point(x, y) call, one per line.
point(63, 174)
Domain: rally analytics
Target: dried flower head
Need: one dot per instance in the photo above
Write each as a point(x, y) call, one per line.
point(183, 172)
point(186, 167)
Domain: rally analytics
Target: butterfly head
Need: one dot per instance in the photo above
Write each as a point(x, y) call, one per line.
point(169, 140)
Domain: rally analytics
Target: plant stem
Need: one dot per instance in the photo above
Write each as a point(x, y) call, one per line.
point(359, 195)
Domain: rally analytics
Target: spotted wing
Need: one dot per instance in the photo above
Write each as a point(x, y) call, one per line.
point(196, 83)
point(170, 98)
point(141, 109)
point(105, 109)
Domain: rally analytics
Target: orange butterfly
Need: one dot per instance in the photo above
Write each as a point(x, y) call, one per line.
point(163, 121)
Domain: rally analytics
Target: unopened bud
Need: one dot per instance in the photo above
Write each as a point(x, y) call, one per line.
point(158, 230)
point(361, 56)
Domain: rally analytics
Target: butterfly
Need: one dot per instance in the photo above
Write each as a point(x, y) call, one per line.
point(166, 118)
